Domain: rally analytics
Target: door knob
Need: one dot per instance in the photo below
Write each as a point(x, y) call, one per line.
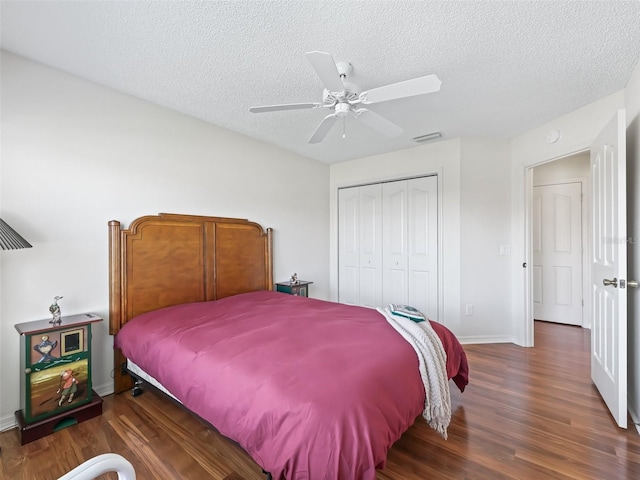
point(632, 283)
point(606, 282)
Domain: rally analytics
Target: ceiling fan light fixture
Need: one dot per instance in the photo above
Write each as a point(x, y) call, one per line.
point(342, 109)
point(428, 137)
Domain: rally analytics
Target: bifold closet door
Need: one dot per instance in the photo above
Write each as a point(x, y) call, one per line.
point(410, 244)
point(348, 246)
point(394, 243)
point(423, 245)
point(360, 245)
point(388, 244)
point(370, 288)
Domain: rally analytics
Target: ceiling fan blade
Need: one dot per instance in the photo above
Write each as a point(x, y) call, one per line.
point(378, 122)
point(326, 69)
point(323, 128)
point(286, 106)
point(408, 88)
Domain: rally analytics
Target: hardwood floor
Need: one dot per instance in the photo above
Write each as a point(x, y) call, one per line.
point(527, 414)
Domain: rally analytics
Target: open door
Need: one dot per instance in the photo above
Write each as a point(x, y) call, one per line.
point(609, 268)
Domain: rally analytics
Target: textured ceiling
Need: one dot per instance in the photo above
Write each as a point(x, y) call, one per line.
point(505, 66)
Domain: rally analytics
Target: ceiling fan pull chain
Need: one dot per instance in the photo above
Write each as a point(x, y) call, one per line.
point(344, 127)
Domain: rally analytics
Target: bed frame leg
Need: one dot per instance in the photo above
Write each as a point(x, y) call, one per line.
point(137, 388)
point(269, 477)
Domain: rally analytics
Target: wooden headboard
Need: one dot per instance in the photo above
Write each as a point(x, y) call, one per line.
point(168, 259)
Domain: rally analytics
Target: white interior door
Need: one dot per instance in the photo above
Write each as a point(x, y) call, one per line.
point(557, 253)
point(609, 268)
point(422, 249)
point(394, 243)
point(370, 233)
point(348, 246)
point(360, 245)
point(388, 244)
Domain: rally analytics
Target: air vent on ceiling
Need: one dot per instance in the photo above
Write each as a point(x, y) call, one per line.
point(428, 137)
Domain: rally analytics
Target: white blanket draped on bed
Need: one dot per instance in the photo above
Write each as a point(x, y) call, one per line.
point(432, 363)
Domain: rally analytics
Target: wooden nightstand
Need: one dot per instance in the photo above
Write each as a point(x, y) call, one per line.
point(55, 380)
point(300, 289)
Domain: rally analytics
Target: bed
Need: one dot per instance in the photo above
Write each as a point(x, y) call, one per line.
point(310, 389)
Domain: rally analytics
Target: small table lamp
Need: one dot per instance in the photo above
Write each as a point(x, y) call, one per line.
point(10, 239)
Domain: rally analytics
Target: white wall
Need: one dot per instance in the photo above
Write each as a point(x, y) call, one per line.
point(485, 275)
point(632, 105)
point(76, 155)
point(579, 129)
point(569, 168)
point(474, 215)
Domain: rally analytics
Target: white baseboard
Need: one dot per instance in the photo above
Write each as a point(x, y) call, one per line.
point(104, 390)
point(9, 422)
point(477, 339)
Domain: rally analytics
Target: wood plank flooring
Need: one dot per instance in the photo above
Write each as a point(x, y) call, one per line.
point(528, 413)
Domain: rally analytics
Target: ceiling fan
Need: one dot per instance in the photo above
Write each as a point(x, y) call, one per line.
point(343, 97)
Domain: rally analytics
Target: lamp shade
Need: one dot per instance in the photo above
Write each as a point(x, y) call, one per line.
point(10, 239)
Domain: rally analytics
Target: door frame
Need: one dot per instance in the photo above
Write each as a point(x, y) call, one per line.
point(528, 333)
point(585, 230)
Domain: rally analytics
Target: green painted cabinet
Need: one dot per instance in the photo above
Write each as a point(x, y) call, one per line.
point(55, 379)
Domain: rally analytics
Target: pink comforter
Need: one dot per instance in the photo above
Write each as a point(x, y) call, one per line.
point(310, 389)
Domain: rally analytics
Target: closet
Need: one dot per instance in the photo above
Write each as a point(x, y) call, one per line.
point(388, 244)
